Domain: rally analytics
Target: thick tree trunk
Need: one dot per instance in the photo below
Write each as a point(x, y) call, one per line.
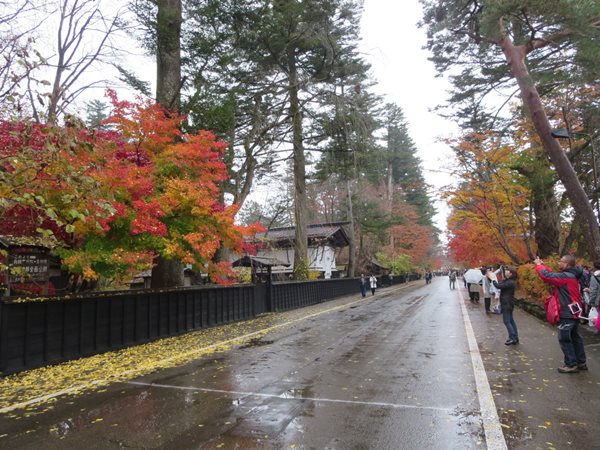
point(168, 54)
point(351, 233)
point(168, 272)
point(547, 215)
point(515, 57)
point(546, 229)
point(246, 178)
point(301, 265)
point(390, 194)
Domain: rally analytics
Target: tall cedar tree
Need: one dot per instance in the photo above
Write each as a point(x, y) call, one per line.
point(168, 272)
point(298, 42)
point(405, 165)
point(345, 128)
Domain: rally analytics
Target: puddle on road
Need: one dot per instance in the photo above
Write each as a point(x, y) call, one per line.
point(355, 318)
point(299, 393)
point(256, 342)
point(470, 423)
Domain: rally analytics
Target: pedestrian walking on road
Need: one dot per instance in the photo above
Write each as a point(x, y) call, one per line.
point(363, 285)
point(566, 289)
point(507, 301)
point(373, 283)
point(452, 278)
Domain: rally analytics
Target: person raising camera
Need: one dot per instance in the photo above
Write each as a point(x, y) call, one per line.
point(566, 287)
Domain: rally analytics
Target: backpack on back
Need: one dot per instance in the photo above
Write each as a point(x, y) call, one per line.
point(552, 307)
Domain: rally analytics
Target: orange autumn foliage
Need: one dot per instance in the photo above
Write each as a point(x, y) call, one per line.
point(490, 221)
point(410, 238)
point(116, 199)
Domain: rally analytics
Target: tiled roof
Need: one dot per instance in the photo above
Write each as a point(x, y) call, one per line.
point(259, 261)
point(334, 231)
point(27, 241)
point(289, 232)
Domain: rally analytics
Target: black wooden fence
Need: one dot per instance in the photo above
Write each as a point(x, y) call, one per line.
point(37, 333)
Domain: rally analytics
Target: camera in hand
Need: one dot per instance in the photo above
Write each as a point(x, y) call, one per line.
point(575, 308)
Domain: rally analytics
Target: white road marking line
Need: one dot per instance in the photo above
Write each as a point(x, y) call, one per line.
point(47, 397)
point(83, 386)
point(287, 397)
point(491, 422)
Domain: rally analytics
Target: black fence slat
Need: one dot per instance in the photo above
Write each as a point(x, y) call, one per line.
point(129, 322)
point(164, 318)
point(102, 324)
point(46, 354)
point(153, 317)
point(54, 333)
point(87, 330)
point(72, 324)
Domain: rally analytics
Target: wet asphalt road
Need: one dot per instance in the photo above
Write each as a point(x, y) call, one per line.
point(392, 371)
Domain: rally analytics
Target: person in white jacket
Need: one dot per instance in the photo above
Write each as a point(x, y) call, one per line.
point(489, 290)
point(487, 295)
point(373, 283)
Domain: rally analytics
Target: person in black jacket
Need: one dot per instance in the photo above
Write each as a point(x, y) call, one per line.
point(507, 302)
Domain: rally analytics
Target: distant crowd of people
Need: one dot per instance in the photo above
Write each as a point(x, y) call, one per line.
point(576, 290)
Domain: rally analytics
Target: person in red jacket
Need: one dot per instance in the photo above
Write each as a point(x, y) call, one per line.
point(566, 285)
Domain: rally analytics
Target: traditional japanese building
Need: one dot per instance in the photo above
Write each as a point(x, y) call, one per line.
point(325, 241)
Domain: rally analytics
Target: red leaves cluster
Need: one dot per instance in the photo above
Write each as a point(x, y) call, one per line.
point(410, 238)
point(148, 218)
point(113, 196)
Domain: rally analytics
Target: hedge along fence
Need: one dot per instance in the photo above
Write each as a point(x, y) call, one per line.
point(42, 331)
point(530, 285)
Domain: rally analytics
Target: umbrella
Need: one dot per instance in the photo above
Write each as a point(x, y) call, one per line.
point(473, 276)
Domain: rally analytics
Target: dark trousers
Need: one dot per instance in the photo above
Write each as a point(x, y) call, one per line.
point(488, 303)
point(363, 289)
point(509, 323)
point(473, 296)
point(570, 342)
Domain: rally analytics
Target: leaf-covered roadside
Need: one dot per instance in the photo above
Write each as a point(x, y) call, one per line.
point(73, 378)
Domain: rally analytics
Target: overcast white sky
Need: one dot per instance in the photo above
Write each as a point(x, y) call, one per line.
point(393, 45)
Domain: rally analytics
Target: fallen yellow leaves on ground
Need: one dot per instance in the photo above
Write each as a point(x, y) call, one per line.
point(36, 390)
